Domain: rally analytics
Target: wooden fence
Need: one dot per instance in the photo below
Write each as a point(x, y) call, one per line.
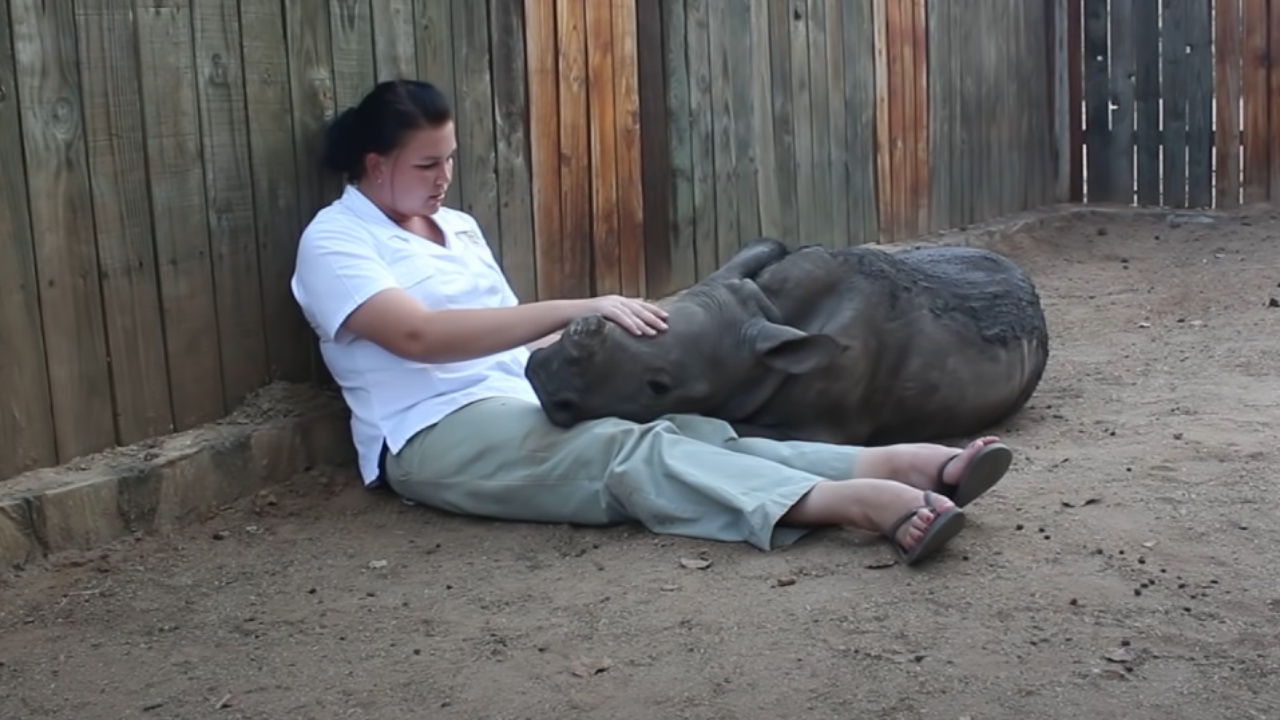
point(171, 148)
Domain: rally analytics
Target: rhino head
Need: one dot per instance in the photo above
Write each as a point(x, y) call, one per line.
point(723, 345)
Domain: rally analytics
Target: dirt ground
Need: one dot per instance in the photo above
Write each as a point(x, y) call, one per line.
point(1123, 569)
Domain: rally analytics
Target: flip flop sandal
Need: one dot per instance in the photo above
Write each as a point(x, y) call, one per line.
point(945, 526)
point(984, 471)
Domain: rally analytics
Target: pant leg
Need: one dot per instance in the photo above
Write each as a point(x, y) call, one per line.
point(831, 461)
point(501, 458)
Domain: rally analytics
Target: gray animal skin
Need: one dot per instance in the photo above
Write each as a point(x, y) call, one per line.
point(854, 346)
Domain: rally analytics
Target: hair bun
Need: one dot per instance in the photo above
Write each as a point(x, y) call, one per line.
point(342, 153)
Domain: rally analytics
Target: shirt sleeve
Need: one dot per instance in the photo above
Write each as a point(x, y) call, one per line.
point(336, 271)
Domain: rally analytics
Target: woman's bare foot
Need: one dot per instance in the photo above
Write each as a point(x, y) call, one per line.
point(940, 468)
point(877, 506)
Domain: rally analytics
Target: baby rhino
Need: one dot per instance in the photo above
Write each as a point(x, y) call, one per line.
point(856, 345)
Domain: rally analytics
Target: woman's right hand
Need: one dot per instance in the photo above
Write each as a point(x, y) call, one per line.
point(637, 316)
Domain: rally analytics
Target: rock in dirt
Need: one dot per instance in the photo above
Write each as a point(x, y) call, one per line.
point(695, 563)
point(586, 667)
point(785, 581)
point(1274, 303)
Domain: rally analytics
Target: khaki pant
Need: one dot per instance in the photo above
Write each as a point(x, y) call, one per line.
point(681, 475)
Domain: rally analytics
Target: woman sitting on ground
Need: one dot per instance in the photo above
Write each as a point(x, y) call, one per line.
point(421, 330)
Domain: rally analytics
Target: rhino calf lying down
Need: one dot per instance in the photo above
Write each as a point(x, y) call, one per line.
point(856, 345)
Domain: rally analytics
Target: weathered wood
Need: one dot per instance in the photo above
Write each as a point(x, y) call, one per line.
point(701, 137)
point(1075, 89)
point(942, 135)
point(179, 209)
point(478, 173)
point(839, 153)
point(820, 118)
point(395, 52)
point(665, 162)
point(1123, 72)
point(511, 108)
point(1174, 102)
point(764, 136)
point(860, 121)
point(274, 171)
point(806, 150)
point(888, 223)
point(575, 158)
point(918, 151)
point(1273, 98)
point(544, 147)
point(1199, 93)
point(746, 166)
point(314, 106)
point(351, 39)
point(1256, 138)
point(1146, 21)
point(603, 141)
point(26, 412)
point(1227, 117)
point(784, 121)
point(1097, 134)
point(1064, 113)
point(113, 126)
point(435, 50)
point(61, 210)
point(229, 196)
point(724, 152)
point(631, 183)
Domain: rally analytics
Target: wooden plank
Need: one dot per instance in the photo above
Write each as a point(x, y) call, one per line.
point(122, 219)
point(229, 190)
point(884, 180)
point(820, 119)
point(26, 410)
point(1227, 116)
point(1075, 88)
point(802, 110)
point(1146, 26)
point(575, 158)
point(395, 52)
point(1062, 109)
point(511, 107)
point(899, 108)
point(672, 264)
point(1199, 89)
point(918, 151)
point(944, 139)
point(1273, 95)
point(478, 173)
point(658, 129)
point(1256, 139)
point(604, 158)
point(273, 169)
point(631, 181)
point(839, 154)
point(701, 137)
point(1173, 90)
point(434, 20)
point(351, 38)
point(1097, 134)
point(742, 101)
point(1123, 73)
point(722, 117)
point(544, 147)
point(860, 121)
point(765, 131)
point(778, 19)
point(313, 100)
point(969, 122)
point(61, 210)
point(180, 214)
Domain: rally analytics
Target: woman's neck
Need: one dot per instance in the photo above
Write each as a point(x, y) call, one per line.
point(420, 225)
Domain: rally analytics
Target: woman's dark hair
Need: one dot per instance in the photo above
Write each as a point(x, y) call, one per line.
point(379, 123)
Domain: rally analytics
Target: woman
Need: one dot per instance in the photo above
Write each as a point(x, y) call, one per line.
point(421, 330)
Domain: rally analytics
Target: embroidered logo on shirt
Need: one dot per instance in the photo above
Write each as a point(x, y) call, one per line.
point(470, 236)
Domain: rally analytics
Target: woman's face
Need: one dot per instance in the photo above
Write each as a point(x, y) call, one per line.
point(412, 180)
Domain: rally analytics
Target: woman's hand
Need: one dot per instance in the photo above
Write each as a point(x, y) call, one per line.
point(637, 316)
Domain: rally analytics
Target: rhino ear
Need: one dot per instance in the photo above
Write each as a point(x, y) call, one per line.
point(793, 351)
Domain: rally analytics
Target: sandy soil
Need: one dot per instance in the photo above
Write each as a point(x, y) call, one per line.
point(1123, 569)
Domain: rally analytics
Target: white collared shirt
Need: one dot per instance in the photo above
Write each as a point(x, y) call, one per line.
point(351, 250)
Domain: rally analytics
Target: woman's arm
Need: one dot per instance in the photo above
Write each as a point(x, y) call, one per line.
point(398, 322)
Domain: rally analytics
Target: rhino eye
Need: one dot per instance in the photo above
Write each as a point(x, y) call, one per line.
point(657, 387)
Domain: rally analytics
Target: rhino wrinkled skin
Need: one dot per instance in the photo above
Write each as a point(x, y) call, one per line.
point(856, 345)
